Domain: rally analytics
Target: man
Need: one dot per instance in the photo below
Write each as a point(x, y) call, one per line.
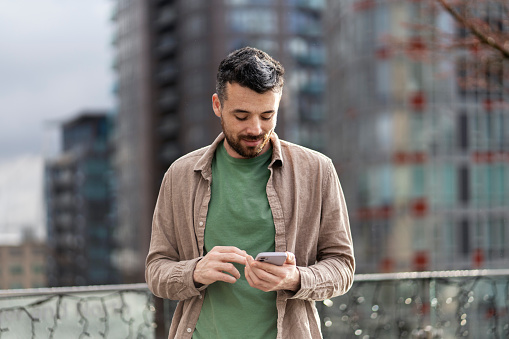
point(249, 192)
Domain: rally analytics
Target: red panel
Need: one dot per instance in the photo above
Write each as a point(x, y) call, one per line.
point(478, 258)
point(420, 207)
point(418, 101)
point(421, 261)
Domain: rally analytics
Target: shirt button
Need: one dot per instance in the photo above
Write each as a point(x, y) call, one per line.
point(189, 330)
point(201, 223)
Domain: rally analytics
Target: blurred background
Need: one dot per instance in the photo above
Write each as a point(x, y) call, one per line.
point(98, 98)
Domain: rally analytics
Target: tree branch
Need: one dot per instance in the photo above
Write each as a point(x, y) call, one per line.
point(487, 40)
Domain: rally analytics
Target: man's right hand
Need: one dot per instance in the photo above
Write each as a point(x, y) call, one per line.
point(217, 263)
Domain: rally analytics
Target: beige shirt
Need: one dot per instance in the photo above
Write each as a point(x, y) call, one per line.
point(310, 218)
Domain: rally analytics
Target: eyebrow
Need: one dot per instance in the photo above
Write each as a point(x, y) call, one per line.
point(238, 110)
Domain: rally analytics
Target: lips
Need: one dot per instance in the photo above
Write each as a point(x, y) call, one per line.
point(252, 143)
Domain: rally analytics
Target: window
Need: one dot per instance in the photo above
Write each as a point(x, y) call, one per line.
point(382, 22)
point(383, 80)
point(418, 181)
point(464, 237)
point(247, 2)
point(419, 139)
point(252, 20)
point(195, 54)
point(16, 270)
point(194, 25)
point(448, 238)
point(464, 184)
point(38, 251)
point(495, 238)
point(16, 251)
point(38, 269)
point(384, 131)
point(303, 23)
point(480, 128)
point(380, 189)
point(463, 131)
point(314, 4)
point(196, 82)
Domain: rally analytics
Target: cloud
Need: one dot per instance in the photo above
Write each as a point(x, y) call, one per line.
point(21, 195)
point(55, 61)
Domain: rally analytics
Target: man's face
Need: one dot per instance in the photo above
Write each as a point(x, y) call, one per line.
point(248, 119)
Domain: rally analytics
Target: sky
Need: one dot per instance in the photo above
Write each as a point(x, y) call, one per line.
point(55, 61)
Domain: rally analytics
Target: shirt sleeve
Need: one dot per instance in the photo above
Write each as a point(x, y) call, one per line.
point(167, 276)
point(333, 272)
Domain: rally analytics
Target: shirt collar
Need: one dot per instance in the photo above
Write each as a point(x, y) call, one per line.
point(204, 164)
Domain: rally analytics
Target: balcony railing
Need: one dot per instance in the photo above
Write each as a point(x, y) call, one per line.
point(448, 304)
point(116, 311)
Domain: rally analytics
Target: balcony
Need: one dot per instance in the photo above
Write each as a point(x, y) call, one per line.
point(447, 304)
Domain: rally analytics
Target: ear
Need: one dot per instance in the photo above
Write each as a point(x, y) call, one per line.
point(216, 105)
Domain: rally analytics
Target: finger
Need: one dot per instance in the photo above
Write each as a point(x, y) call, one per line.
point(266, 276)
point(254, 281)
point(221, 276)
point(247, 274)
point(254, 273)
point(229, 249)
point(229, 268)
point(226, 257)
point(259, 267)
point(212, 274)
point(261, 271)
point(221, 254)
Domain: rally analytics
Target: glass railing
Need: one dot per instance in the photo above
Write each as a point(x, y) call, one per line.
point(448, 304)
point(116, 311)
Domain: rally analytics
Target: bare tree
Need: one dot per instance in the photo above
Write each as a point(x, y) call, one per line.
point(492, 32)
point(479, 41)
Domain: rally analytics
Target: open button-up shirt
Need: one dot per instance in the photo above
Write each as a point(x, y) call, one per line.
point(310, 219)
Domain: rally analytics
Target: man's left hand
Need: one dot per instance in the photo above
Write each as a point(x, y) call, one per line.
point(268, 277)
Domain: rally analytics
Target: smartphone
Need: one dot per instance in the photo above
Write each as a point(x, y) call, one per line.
point(276, 258)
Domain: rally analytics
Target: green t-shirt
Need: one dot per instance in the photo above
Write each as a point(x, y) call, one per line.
point(239, 215)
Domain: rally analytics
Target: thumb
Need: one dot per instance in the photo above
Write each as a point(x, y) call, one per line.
point(290, 258)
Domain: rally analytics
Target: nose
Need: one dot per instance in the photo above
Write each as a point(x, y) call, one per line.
point(255, 126)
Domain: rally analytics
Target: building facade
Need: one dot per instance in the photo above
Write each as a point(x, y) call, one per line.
point(423, 160)
point(23, 265)
point(80, 200)
point(167, 53)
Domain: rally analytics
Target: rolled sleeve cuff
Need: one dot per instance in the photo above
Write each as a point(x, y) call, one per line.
point(183, 276)
point(306, 284)
point(310, 287)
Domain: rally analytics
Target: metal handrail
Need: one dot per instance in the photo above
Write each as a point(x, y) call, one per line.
point(357, 278)
point(430, 275)
point(33, 292)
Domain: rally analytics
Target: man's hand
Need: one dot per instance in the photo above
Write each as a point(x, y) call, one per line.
point(268, 277)
point(215, 265)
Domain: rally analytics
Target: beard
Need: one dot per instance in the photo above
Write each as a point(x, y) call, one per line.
point(247, 152)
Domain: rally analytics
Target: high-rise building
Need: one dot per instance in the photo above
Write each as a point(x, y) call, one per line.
point(79, 192)
point(423, 161)
point(167, 53)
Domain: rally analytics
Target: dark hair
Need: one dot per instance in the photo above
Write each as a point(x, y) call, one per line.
point(251, 68)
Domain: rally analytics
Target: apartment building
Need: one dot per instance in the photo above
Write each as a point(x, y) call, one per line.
point(423, 159)
point(80, 199)
point(167, 53)
point(23, 265)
